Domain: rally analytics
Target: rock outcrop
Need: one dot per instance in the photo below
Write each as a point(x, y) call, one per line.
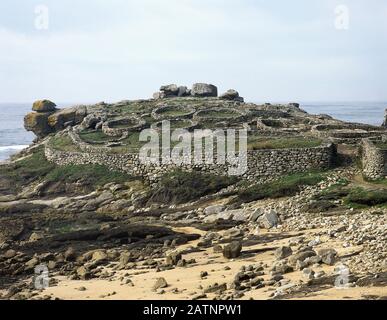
point(231, 95)
point(385, 119)
point(46, 119)
point(204, 90)
point(198, 90)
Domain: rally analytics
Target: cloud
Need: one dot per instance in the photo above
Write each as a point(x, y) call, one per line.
point(108, 50)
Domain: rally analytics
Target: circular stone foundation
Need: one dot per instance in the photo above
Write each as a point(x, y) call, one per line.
point(168, 112)
point(219, 114)
point(118, 127)
point(186, 124)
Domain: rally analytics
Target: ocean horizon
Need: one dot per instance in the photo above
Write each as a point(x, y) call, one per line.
point(13, 136)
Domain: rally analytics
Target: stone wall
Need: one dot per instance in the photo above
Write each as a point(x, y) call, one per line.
point(374, 160)
point(261, 164)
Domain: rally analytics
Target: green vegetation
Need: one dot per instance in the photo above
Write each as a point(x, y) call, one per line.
point(257, 143)
point(95, 175)
point(361, 198)
point(94, 136)
point(381, 145)
point(221, 114)
point(27, 169)
point(63, 143)
point(179, 187)
point(286, 186)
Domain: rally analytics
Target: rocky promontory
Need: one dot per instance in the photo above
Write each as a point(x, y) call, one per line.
point(306, 221)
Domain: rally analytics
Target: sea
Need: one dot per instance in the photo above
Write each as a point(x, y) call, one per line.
point(13, 136)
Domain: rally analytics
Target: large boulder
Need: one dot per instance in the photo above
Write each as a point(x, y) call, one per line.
point(67, 117)
point(204, 90)
point(232, 250)
point(38, 123)
point(47, 119)
point(385, 119)
point(43, 106)
point(231, 95)
point(170, 90)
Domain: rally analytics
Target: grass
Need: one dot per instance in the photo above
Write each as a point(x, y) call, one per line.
point(28, 169)
point(283, 143)
point(63, 143)
point(219, 114)
point(381, 145)
point(94, 136)
point(95, 175)
point(179, 187)
point(286, 186)
point(361, 198)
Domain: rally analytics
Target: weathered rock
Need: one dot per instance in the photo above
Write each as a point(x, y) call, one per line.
point(232, 250)
point(83, 273)
point(160, 283)
point(214, 209)
point(294, 104)
point(70, 254)
point(283, 252)
point(216, 288)
point(204, 90)
point(38, 123)
point(328, 256)
point(183, 91)
point(308, 273)
point(173, 258)
point(231, 95)
point(301, 256)
point(67, 117)
point(269, 220)
point(9, 254)
point(43, 106)
point(385, 119)
point(99, 256)
point(170, 90)
point(90, 121)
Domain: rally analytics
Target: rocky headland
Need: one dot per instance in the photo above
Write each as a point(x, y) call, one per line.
point(307, 220)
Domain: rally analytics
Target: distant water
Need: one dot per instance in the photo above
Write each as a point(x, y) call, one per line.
point(366, 112)
point(13, 136)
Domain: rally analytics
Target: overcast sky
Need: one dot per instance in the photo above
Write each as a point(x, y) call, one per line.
point(109, 50)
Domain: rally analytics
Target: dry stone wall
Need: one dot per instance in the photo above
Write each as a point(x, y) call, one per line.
point(261, 164)
point(374, 160)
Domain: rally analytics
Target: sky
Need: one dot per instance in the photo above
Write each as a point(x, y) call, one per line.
point(270, 51)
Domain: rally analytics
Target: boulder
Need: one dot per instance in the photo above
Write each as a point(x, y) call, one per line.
point(215, 209)
point(70, 254)
point(231, 95)
point(43, 106)
point(269, 220)
point(160, 283)
point(385, 119)
point(183, 91)
point(204, 90)
point(294, 105)
point(38, 123)
point(173, 258)
point(170, 90)
point(159, 95)
point(328, 256)
point(232, 250)
point(283, 252)
point(67, 117)
point(90, 121)
point(301, 256)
